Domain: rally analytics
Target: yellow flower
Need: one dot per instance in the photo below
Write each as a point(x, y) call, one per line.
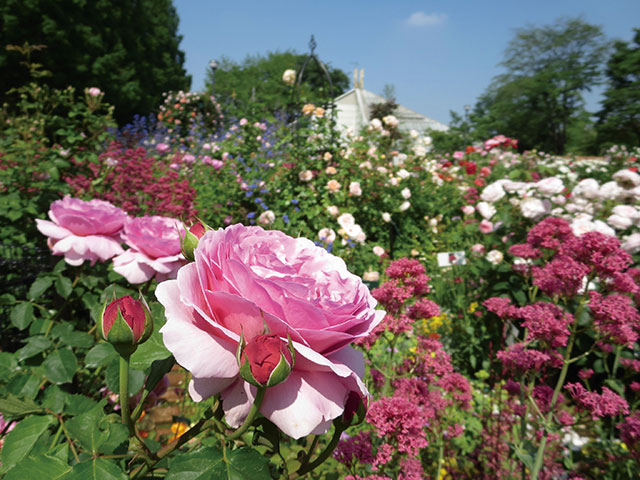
point(472, 307)
point(179, 428)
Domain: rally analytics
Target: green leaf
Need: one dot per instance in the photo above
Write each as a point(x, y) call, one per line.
point(60, 366)
point(159, 369)
point(100, 355)
point(63, 286)
point(96, 469)
point(8, 364)
point(25, 386)
point(12, 406)
point(85, 429)
point(54, 398)
point(34, 346)
point(210, 463)
point(77, 404)
point(19, 441)
point(77, 339)
point(151, 350)
point(22, 315)
point(40, 286)
point(42, 466)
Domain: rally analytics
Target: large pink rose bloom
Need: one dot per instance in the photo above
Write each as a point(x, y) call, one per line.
point(83, 230)
point(154, 249)
point(246, 277)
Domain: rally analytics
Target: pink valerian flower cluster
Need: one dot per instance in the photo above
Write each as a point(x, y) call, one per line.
point(547, 323)
point(615, 317)
point(562, 276)
point(135, 182)
point(521, 359)
point(407, 281)
point(605, 404)
point(95, 230)
point(630, 432)
point(354, 449)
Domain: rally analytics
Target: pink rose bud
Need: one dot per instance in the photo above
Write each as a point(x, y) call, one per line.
point(355, 410)
point(94, 91)
point(126, 323)
point(189, 242)
point(265, 361)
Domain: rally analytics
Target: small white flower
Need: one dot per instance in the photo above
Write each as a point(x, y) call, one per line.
point(346, 220)
point(486, 210)
point(386, 216)
point(406, 193)
point(305, 176)
point(267, 217)
point(495, 257)
point(327, 235)
point(404, 206)
point(289, 76)
point(378, 250)
point(354, 189)
point(333, 210)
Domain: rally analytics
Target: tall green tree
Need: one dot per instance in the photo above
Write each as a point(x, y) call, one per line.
point(127, 48)
point(539, 96)
point(619, 119)
point(255, 88)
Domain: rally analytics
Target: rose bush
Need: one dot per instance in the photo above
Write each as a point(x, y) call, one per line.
point(246, 279)
point(83, 230)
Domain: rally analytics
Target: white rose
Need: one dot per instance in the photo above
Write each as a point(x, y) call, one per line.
point(378, 250)
point(582, 226)
point(404, 206)
point(486, 210)
point(354, 189)
point(627, 211)
point(267, 217)
point(333, 210)
point(495, 257)
point(619, 222)
point(346, 220)
point(587, 188)
point(366, 164)
point(492, 193)
point(413, 133)
point(305, 176)
point(371, 276)
point(419, 150)
point(386, 216)
point(376, 124)
point(406, 193)
point(610, 191)
point(627, 178)
point(550, 186)
point(327, 235)
point(532, 207)
point(559, 199)
point(402, 173)
point(355, 232)
point(427, 141)
point(631, 243)
point(289, 76)
point(393, 181)
point(390, 120)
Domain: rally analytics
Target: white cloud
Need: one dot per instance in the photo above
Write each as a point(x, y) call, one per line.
point(421, 19)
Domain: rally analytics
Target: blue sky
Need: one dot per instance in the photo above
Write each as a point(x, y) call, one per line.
point(438, 55)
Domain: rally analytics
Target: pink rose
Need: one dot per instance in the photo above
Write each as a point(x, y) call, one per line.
point(83, 230)
point(244, 278)
point(94, 91)
point(154, 249)
point(485, 226)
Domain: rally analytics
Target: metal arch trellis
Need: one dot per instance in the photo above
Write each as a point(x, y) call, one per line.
point(327, 104)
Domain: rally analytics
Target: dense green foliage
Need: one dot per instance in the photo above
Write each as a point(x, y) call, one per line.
point(539, 98)
point(128, 49)
point(619, 119)
point(255, 87)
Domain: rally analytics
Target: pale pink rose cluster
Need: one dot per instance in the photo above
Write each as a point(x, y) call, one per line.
point(246, 280)
point(95, 230)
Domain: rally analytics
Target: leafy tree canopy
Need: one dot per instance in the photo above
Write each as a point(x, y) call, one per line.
point(255, 88)
point(128, 49)
point(540, 95)
point(619, 119)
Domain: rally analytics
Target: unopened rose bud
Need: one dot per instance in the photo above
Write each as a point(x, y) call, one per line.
point(355, 410)
point(126, 323)
point(189, 242)
point(266, 360)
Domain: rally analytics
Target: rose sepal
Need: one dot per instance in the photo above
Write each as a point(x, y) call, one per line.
point(192, 235)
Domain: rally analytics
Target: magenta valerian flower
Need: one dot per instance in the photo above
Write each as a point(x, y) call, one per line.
point(600, 252)
point(245, 280)
point(605, 404)
point(550, 233)
point(615, 317)
point(83, 230)
point(154, 249)
point(562, 276)
point(546, 322)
